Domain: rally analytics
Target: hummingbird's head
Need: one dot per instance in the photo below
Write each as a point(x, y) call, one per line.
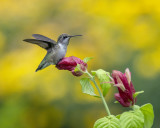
point(64, 38)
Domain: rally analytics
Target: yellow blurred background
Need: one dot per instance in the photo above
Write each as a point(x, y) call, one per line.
point(117, 33)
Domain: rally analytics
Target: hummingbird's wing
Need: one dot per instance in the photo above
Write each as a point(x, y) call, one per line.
point(44, 44)
point(43, 38)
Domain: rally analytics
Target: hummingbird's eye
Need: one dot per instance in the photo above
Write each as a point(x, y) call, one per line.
point(64, 37)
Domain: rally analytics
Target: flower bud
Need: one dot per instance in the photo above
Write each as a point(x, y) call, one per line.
point(71, 63)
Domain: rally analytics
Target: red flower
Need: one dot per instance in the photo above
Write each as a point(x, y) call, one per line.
point(125, 88)
point(70, 63)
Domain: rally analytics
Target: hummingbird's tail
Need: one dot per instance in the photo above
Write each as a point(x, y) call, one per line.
point(43, 64)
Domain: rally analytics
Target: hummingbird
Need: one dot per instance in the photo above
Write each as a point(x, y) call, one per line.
point(55, 50)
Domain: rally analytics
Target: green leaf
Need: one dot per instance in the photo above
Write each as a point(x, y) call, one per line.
point(107, 122)
point(132, 119)
point(77, 68)
point(137, 93)
point(148, 113)
point(136, 107)
point(87, 87)
point(116, 102)
point(97, 96)
point(103, 79)
point(118, 116)
point(85, 60)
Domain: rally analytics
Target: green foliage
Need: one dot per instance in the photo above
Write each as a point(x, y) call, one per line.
point(137, 93)
point(87, 59)
point(103, 79)
point(77, 68)
point(116, 102)
point(148, 113)
point(132, 119)
point(118, 116)
point(107, 122)
point(139, 117)
point(135, 107)
point(87, 87)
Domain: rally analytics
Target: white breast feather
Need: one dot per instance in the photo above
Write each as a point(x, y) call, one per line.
point(62, 50)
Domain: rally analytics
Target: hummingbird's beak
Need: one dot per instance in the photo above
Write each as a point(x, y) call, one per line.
point(75, 35)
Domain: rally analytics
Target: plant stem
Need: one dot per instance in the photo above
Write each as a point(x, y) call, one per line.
point(100, 93)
